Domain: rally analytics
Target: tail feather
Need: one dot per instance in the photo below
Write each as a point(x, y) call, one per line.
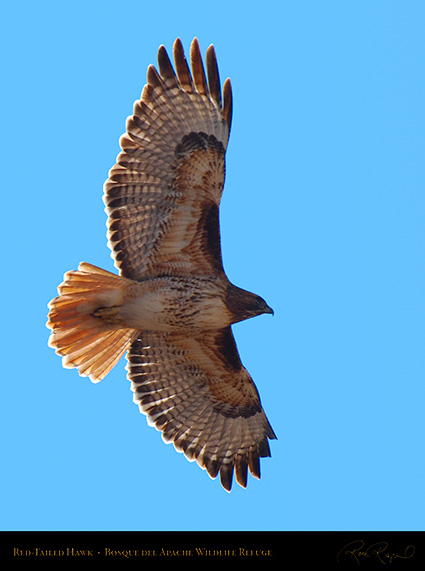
point(91, 344)
point(103, 355)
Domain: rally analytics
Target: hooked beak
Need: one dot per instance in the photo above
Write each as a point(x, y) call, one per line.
point(269, 310)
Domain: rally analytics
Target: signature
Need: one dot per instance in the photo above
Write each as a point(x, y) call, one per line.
point(380, 551)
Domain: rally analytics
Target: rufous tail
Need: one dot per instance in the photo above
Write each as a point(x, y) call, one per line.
point(82, 321)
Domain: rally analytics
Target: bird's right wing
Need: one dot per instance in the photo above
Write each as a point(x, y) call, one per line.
point(198, 394)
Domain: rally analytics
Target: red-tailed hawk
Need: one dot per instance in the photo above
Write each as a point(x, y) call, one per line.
point(172, 305)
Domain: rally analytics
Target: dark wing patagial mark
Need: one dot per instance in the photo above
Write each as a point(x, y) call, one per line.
point(226, 347)
point(209, 233)
point(200, 160)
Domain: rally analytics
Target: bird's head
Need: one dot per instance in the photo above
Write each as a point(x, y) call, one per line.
point(243, 304)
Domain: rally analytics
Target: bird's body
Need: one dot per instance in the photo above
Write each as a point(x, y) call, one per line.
point(172, 306)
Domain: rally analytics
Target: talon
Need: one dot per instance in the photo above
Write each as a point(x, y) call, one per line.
point(105, 312)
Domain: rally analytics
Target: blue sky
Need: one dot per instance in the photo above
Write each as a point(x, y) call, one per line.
point(323, 215)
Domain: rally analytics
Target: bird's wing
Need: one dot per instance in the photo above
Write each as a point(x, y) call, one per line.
point(198, 394)
point(162, 196)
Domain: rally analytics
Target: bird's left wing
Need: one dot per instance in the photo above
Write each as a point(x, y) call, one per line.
point(162, 196)
point(198, 394)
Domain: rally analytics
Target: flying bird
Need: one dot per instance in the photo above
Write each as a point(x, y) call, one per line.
point(172, 306)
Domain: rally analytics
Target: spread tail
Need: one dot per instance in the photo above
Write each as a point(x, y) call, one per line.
point(82, 321)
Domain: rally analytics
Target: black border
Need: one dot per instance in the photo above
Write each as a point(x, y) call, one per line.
point(328, 550)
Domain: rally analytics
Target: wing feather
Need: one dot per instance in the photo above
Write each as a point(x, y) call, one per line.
point(227, 102)
point(198, 68)
point(182, 68)
point(153, 78)
point(213, 76)
point(161, 187)
point(166, 69)
point(199, 395)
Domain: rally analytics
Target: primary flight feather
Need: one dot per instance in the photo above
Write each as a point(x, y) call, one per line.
point(172, 306)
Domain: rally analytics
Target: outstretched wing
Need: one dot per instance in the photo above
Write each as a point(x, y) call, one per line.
point(162, 196)
point(198, 394)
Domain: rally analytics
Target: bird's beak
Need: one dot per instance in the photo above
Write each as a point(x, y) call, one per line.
point(269, 310)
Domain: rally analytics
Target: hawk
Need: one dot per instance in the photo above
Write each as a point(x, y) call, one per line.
point(172, 306)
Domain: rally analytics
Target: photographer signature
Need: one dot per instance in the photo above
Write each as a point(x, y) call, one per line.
point(358, 551)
